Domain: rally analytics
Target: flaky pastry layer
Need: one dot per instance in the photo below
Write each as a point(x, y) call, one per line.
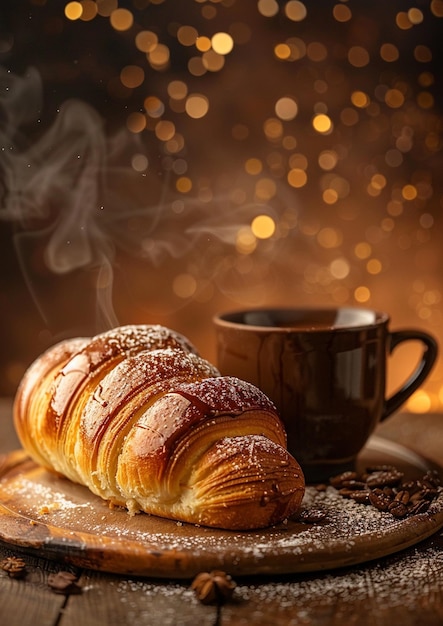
point(144, 422)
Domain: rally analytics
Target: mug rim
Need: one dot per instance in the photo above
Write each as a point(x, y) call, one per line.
point(229, 319)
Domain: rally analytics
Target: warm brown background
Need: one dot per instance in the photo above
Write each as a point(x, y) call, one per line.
point(83, 59)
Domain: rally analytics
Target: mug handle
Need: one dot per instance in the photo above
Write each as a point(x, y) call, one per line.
point(422, 370)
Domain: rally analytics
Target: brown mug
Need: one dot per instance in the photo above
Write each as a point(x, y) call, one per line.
point(325, 370)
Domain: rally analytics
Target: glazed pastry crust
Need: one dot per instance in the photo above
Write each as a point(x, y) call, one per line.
point(138, 417)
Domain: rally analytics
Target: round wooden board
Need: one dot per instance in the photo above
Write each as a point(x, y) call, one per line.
point(64, 521)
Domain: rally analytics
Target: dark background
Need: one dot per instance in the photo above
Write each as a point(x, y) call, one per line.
point(145, 251)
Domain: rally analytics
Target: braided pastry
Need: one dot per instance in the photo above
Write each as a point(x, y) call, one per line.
point(137, 416)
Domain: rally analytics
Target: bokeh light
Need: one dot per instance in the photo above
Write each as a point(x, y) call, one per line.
point(282, 152)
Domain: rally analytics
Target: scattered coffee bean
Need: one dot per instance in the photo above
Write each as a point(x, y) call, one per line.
point(384, 487)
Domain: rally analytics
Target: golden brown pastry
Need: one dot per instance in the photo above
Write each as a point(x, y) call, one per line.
point(145, 423)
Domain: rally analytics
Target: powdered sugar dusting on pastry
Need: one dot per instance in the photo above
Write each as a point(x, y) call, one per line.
point(111, 420)
point(132, 338)
point(230, 392)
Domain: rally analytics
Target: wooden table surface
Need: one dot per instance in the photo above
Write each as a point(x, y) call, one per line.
point(405, 588)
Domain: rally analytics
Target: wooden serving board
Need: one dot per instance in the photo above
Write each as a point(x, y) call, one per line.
point(60, 520)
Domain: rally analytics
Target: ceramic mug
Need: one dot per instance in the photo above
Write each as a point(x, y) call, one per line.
point(325, 370)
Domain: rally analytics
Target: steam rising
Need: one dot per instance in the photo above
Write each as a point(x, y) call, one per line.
point(74, 188)
point(64, 179)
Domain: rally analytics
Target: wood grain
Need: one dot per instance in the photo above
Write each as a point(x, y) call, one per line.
point(65, 521)
point(404, 588)
point(29, 600)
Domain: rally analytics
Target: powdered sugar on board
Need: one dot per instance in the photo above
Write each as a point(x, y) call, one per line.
point(66, 520)
point(412, 574)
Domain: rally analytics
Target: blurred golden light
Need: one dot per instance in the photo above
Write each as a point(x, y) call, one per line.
point(298, 161)
point(187, 35)
point(273, 128)
point(378, 181)
point(433, 142)
point(316, 51)
point(394, 98)
point(295, 10)
point(154, 107)
point(419, 402)
point(246, 241)
point(362, 250)
point(209, 12)
point(184, 285)
point(389, 52)
point(282, 51)
point(177, 89)
point(289, 142)
point(374, 266)
point(409, 192)
point(268, 8)
point(159, 56)
point(415, 15)
point(321, 86)
point(339, 268)
point(426, 220)
point(139, 162)
point(175, 144)
point(328, 159)
point(286, 108)
point(437, 8)
point(404, 142)
point(330, 196)
point(349, 117)
point(222, 43)
point(253, 166)
point(179, 166)
point(73, 10)
point(164, 130)
point(393, 158)
point(89, 10)
point(196, 67)
point(297, 47)
point(425, 100)
point(146, 41)
point(197, 106)
point(136, 122)
point(183, 184)
point(402, 20)
point(422, 54)
point(338, 183)
point(362, 294)
point(329, 237)
point(265, 189)
point(341, 13)
point(213, 61)
point(360, 99)
point(106, 7)
point(297, 178)
point(132, 76)
point(121, 19)
point(322, 123)
point(387, 224)
point(358, 56)
point(203, 44)
point(426, 79)
point(263, 226)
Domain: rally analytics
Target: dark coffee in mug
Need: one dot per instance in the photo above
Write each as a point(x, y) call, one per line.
point(325, 370)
